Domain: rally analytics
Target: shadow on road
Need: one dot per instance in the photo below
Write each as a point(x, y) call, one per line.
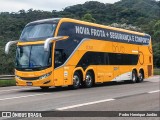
point(60, 89)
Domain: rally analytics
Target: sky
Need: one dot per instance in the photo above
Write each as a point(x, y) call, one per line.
point(46, 5)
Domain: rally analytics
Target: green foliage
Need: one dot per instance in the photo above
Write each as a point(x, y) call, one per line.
point(156, 49)
point(4, 83)
point(157, 71)
point(157, 30)
point(88, 17)
point(149, 8)
point(142, 15)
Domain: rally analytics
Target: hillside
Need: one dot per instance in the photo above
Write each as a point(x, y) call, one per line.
point(144, 14)
point(150, 8)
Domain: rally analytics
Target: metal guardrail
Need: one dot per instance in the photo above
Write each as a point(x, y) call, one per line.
point(6, 77)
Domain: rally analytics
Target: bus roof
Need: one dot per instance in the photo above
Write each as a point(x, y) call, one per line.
point(61, 20)
point(51, 20)
point(101, 26)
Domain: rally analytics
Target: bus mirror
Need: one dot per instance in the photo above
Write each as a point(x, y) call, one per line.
point(8, 45)
point(49, 40)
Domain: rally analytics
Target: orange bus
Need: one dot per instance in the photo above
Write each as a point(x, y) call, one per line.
point(67, 52)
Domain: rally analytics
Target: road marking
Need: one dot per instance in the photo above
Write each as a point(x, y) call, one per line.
point(24, 96)
point(154, 91)
point(14, 89)
point(84, 104)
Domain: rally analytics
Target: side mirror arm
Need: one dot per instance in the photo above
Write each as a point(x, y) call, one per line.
point(49, 40)
point(7, 47)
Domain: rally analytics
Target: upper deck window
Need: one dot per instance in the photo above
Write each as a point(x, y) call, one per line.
point(38, 32)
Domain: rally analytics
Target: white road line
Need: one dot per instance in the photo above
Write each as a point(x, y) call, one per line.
point(154, 91)
point(14, 89)
point(84, 104)
point(23, 96)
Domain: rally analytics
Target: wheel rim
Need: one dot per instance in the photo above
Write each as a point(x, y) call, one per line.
point(76, 80)
point(133, 77)
point(140, 76)
point(88, 80)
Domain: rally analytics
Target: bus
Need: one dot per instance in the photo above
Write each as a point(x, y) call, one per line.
point(67, 52)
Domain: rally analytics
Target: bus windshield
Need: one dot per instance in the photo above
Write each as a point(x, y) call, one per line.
point(37, 31)
point(33, 57)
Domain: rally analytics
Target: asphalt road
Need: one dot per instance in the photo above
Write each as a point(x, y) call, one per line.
point(105, 97)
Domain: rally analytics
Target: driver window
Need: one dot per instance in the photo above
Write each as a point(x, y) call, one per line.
point(59, 58)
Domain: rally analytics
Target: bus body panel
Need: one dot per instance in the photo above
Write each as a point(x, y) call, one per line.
point(79, 45)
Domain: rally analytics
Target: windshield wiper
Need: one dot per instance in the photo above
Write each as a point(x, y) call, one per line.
point(29, 66)
point(36, 66)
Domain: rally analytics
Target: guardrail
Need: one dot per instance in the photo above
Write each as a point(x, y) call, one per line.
point(6, 77)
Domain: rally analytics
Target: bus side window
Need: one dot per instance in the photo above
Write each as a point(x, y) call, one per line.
point(100, 58)
point(107, 58)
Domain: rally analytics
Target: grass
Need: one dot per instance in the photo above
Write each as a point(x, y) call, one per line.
point(4, 83)
point(156, 71)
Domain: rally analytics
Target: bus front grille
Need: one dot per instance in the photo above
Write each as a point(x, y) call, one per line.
point(29, 78)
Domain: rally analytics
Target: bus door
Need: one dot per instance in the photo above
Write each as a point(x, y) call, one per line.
point(59, 59)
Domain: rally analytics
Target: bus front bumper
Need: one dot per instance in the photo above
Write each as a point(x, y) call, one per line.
point(39, 82)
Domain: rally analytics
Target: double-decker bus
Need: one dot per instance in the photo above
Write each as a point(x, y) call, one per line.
point(67, 52)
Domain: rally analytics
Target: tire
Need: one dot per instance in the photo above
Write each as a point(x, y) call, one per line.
point(44, 87)
point(89, 80)
point(134, 76)
point(141, 76)
point(59, 87)
point(76, 81)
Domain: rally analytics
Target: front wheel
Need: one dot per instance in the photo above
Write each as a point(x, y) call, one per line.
point(44, 87)
point(89, 80)
point(76, 80)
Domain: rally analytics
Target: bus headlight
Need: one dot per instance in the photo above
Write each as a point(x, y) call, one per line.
point(45, 75)
point(17, 77)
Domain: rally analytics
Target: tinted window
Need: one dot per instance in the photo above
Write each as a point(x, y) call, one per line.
point(37, 31)
point(93, 58)
point(59, 57)
point(122, 59)
point(101, 58)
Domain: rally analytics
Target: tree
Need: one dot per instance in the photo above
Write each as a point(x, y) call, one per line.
point(157, 31)
point(88, 17)
point(156, 52)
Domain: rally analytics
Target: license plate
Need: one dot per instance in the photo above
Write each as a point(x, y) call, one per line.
point(29, 83)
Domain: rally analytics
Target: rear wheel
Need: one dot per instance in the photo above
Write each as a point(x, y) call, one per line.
point(141, 76)
point(134, 76)
point(89, 80)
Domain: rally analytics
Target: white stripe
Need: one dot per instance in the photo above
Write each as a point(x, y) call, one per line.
point(23, 96)
point(84, 104)
point(154, 91)
point(14, 89)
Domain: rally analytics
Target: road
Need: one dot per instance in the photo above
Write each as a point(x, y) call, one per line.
point(105, 97)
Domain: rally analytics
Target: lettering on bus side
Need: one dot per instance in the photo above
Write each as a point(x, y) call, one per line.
point(77, 32)
point(85, 31)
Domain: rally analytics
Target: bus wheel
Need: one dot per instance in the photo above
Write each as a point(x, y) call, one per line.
point(89, 80)
point(44, 87)
point(76, 80)
point(134, 76)
point(141, 76)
